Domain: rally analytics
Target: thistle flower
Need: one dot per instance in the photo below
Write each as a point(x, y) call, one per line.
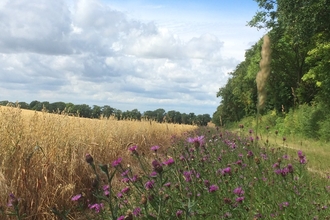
point(76, 197)
point(117, 162)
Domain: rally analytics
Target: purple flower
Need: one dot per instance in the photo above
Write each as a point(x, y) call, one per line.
point(119, 195)
point(179, 213)
point(13, 201)
point(133, 149)
point(225, 171)
point(149, 184)
point(283, 205)
point(187, 175)
point(153, 174)
point(97, 207)
point(167, 184)
point(154, 148)
point(125, 173)
point(106, 192)
point(240, 199)
point(137, 211)
point(134, 178)
point(106, 187)
point(169, 162)
point(76, 197)
point(198, 141)
point(302, 158)
point(238, 191)
point(121, 218)
point(125, 190)
point(213, 188)
point(125, 180)
point(290, 168)
point(157, 166)
point(117, 162)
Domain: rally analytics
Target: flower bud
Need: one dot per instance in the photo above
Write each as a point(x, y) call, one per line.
point(89, 158)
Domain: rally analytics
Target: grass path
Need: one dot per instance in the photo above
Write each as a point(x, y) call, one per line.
point(317, 153)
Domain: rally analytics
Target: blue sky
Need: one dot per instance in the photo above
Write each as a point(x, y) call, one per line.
point(127, 54)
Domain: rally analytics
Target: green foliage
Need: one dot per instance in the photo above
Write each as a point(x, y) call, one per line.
point(213, 176)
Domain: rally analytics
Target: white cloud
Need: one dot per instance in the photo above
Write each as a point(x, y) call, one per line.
point(85, 51)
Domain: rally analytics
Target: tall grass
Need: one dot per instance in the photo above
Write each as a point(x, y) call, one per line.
point(42, 154)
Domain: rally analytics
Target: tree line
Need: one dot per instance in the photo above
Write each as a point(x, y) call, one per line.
point(86, 111)
point(300, 68)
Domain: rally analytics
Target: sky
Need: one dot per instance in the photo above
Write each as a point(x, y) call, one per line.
point(134, 54)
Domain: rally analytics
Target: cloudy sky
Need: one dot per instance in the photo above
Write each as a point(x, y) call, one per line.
point(143, 54)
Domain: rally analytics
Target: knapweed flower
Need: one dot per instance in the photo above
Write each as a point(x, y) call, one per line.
point(97, 207)
point(149, 184)
point(225, 171)
point(283, 205)
point(13, 201)
point(125, 190)
point(154, 148)
point(169, 162)
point(89, 158)
point(153, 174)
point(179, 213)
point(290, 168)
point(197, 141)
point(121, 218)
point(137, 212)
point(213, 188)
point(157, 166)
point(117, 162)
point(76, 197)
point(238, 191)
point(133, 149)
point(240, 199)
point(167, 184)
point(302, 158)
point(187, 175)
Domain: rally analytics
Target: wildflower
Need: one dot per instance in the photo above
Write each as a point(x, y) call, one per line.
point(213, 188)
point(89, 159)
point(121, 218)
point(167, 184)
point(302, 158)
point(117, 162)
point(197, 141)
point(290, 168)
point(106, 192)
point(187, 175)
point(227, 170)
point(125, 180)
point(250, 154)
point(76, 197)
point(169, 162)
point(275, 165)
point(238, 191)
point(149, 184)
point(125, 190)
point(153, 174)
point(206, 183)
point(179, 213)
point(137, 211)
point(157, 166)
point(106, 187)
point(97, 207)
point(154, 148)
point(133, 149)
point(125, 173)
point(143, 200)
point(283, 205)
point(240, 199)
point(119, 195)
point(13, 201)
point(134, 178)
